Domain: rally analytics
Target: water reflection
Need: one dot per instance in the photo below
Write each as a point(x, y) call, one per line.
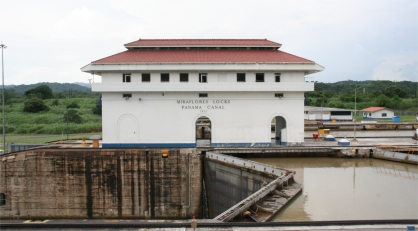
point(350, 189)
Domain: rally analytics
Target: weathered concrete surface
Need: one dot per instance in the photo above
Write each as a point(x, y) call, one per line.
point(396, 153)
point(101, 183)
point(275, 202)
point(227, 184)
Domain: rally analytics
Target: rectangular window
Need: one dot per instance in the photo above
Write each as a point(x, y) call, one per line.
point(370, 114)
point(146, 77)
point(165, 77)
point(203, 95)
point(259, 77)
point(277, 76)
point(240, 77)
point(127, 96)
point(278, 95)
point(341, 113)
point(203, 77)
point(126, 78)
point(184, 77)
point(384, 115)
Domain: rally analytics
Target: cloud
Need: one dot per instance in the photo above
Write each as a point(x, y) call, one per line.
point(352, 39)
point(88, 25)
point(398, 67)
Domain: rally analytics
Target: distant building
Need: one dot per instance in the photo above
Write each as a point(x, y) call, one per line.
point(328, 114)
point(378, 113)
point(177, 92)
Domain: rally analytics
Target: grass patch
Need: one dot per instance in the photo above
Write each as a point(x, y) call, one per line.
point(52, 121)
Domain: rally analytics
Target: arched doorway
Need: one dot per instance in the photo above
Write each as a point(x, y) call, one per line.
point(128, 131)
point(203, 132)
point(280, 130)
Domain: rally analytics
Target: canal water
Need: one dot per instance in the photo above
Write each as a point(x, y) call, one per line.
point(350, 189)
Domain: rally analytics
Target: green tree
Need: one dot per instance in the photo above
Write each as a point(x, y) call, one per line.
point(395, 90)
point(396, 102)
point(8, 95)
point(347, 97)
point(34, 105)
point(383, 101)
point(72, 116)
point(43, 91)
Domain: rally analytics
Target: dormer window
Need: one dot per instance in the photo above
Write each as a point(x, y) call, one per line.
point(126, 78)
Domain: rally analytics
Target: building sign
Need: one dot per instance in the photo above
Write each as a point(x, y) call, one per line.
point(203, 104)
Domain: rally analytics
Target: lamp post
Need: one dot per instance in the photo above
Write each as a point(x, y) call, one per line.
point(2, 46)
point(355, 113)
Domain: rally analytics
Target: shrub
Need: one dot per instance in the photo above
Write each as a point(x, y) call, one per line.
point(72, 116)
point(97, 111)
point(55, 102)
point(73, 105)
point(60, 95)
point(34, 105)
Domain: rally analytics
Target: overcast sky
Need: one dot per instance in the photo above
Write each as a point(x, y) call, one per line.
point(49, 41)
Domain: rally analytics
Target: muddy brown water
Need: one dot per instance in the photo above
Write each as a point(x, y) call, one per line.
point(350, 189)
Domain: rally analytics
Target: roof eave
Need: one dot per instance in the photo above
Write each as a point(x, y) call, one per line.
point(202, 46)
point(320, 68)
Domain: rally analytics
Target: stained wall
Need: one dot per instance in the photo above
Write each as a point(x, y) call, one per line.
point(101, 183)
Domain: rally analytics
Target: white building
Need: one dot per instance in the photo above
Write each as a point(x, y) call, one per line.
point(328, 114)
point(155, 93)
point(378, 113)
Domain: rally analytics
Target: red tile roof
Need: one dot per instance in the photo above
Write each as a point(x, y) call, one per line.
point(374, 109)
point(203, 43)
point(201, 56)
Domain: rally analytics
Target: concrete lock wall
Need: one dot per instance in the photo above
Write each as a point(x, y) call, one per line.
point(106, 183)
point(227, 184)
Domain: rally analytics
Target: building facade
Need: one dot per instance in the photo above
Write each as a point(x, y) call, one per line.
point(212, 92)
point(378, 113)
point(327, 114)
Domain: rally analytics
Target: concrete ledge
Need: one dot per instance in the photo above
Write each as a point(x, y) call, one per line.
point(148, 145)
point(229, 145)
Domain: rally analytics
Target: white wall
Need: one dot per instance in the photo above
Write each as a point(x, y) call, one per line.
point(154, 114)
point(378, 114)
point(242, 117)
